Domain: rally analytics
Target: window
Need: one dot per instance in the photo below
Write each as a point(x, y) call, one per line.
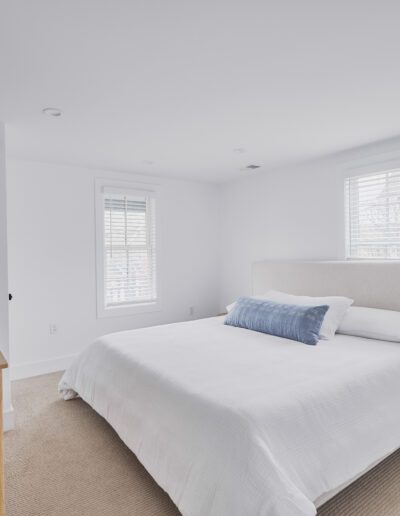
point(373, 216)
point(126, 250)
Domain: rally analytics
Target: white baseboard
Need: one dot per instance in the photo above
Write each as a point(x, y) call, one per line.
point(8, 420)
point(19, 371)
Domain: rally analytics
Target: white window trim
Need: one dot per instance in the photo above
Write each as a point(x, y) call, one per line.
point(122, 186)
point(370, 164)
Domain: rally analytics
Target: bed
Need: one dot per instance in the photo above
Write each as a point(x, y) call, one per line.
point(231, 422)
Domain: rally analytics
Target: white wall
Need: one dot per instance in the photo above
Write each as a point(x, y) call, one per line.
point(211, 236)
point(4, 330)
point(295, 212)
point(51, 225)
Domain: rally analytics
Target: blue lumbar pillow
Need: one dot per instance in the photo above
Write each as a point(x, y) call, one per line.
point(301, 323)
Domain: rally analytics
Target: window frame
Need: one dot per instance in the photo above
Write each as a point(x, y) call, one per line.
point(150, 190)
point(368, 165)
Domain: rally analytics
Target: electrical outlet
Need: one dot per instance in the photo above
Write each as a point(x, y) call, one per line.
point(52, 328)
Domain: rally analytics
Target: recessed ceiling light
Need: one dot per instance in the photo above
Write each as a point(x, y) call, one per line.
point(51, 111)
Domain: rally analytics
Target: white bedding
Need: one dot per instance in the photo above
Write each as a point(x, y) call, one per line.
point(231, 422)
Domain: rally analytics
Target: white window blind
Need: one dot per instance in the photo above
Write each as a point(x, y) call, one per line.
point(129, 249)
point(373, 215)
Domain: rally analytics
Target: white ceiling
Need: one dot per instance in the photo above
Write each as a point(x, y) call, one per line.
point(182, 83)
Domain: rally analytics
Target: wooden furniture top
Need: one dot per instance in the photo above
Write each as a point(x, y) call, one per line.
point(3, 361)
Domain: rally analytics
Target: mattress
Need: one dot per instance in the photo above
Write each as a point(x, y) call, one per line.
point(231, 422)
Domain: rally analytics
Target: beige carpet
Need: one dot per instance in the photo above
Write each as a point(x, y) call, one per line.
point(65, 460)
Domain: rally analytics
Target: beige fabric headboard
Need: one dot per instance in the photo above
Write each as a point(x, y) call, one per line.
point(373, 284)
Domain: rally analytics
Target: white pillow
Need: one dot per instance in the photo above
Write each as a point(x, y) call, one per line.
point(371, 323)
point(232, 305)
point(337, 308)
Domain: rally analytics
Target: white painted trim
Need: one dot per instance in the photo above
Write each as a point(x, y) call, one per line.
point(152, 190)
point(8, 419)
point(363, 170)
point(123, 311)
point(368, 163)
point(28, 369)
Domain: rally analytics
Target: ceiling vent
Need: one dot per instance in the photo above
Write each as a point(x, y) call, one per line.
point(50, 111)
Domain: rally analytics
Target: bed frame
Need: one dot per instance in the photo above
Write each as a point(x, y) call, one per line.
point(375, 284)
point(370, 283)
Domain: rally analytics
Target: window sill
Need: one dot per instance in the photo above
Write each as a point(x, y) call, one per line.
point(126, 310)
point(379, 260)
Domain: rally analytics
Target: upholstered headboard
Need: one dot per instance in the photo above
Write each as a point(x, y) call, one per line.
point(370, 283)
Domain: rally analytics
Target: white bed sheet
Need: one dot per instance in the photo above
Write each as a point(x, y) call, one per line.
point(232, 422)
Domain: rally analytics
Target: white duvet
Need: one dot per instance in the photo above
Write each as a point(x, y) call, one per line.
point(231, 422)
